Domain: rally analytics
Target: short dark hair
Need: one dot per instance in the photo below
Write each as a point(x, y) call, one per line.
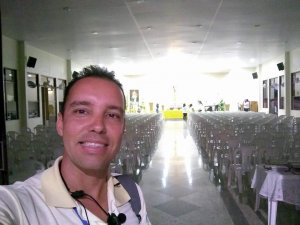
point(92, 71)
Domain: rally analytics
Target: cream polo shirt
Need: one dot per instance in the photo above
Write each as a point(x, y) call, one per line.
point(44, 199)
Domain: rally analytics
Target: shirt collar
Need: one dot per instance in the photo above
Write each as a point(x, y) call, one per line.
point(57, 195)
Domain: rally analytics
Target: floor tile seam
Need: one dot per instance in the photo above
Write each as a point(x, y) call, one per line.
point(245, 209)
point(233, 209)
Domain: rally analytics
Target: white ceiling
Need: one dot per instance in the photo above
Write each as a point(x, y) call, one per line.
point(212, 32)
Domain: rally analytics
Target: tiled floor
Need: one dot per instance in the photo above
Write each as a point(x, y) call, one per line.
point(178, 190)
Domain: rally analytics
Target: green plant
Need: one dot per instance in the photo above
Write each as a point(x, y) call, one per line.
point(221, 105)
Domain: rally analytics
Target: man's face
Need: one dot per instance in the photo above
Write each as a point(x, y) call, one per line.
point(92, 124)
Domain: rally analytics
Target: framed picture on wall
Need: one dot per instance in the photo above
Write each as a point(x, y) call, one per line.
point(265, 94)
point(295, 91)
point(134, 95)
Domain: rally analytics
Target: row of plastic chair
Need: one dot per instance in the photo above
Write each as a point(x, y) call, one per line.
point(139, 144)
point(29, 151)
point(33, 151)
point(234, 142)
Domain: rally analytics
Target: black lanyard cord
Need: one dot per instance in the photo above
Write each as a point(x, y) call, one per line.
point(112, 219)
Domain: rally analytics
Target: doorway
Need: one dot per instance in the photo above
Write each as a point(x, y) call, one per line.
point(49, 102)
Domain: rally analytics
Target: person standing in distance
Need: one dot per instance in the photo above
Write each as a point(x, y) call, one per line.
point(184, 112)
point(246, 105)
point(79, 188)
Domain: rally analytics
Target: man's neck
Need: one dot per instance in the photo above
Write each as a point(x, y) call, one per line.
point(94, 184)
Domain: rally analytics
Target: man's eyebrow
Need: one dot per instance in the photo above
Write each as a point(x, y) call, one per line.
point(116, 108)
point(87, 103)
point(79, 103)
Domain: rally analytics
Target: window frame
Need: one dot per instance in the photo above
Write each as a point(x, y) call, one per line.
point(13, 97)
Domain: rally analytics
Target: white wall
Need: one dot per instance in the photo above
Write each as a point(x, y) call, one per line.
point(47, 65)
point(175, 89)
point(295, 60)
point(239, 85)
point(9, 53)
point(233, 88)
point(269, 70)
point(9, 60)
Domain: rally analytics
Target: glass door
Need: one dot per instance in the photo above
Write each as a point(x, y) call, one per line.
point(273, 93)
point(49, 102)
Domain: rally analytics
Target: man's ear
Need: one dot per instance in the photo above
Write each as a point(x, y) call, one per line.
point(59, 124)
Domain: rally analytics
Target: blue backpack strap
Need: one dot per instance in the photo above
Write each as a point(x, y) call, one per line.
point(130, 186)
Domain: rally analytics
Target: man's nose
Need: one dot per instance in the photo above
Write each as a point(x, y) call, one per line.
point(98, 124)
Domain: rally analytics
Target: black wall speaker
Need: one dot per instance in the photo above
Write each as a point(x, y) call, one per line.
point(255, 75)
point(31, 62)
point(280, 66)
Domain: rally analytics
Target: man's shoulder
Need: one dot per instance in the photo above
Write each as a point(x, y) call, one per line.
point(21, 188)
point(132, 189)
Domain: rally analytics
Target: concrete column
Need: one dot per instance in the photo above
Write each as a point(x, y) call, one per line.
point(69, 70)
point(22, 84)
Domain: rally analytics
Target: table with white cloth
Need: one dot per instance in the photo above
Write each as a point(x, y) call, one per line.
point(276, 183)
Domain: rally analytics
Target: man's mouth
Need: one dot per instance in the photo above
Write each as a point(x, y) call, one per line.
point(92, 144)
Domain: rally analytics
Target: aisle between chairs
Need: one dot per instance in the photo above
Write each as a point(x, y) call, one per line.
point(176, 185)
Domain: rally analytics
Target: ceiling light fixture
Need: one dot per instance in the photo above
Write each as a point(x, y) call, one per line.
point(147, 28)
point(238, 44)
point(198, 25)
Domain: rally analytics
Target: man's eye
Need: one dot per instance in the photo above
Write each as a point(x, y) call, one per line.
point(114, 115)
point(80, 111)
